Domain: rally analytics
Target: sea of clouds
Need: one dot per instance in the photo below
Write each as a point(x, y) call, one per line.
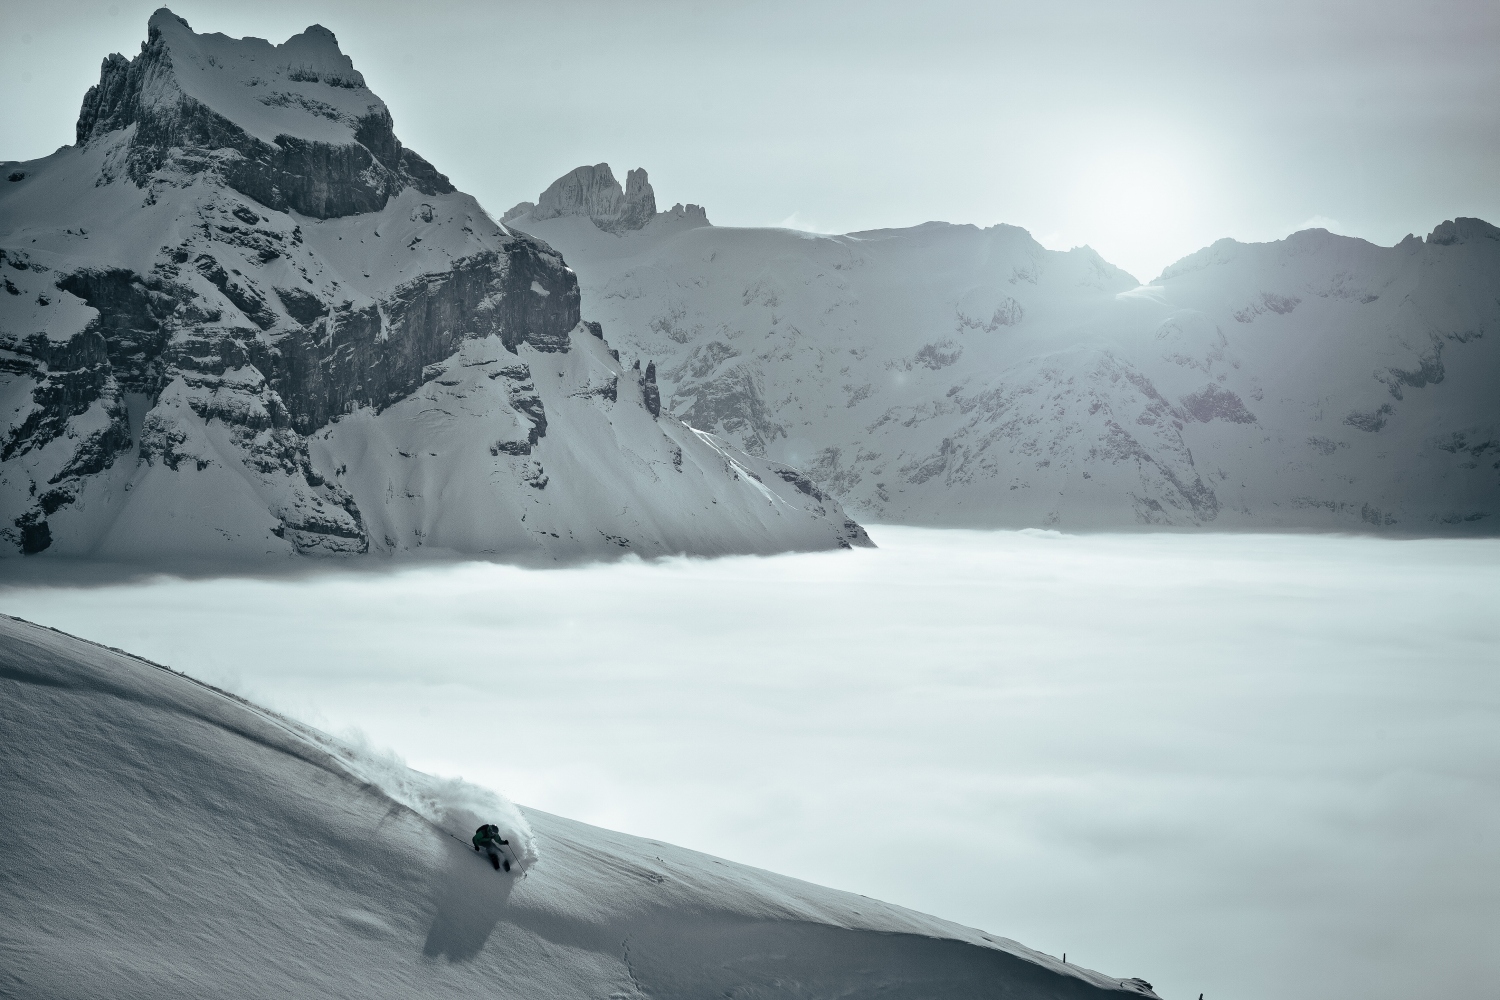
point(1242, 765)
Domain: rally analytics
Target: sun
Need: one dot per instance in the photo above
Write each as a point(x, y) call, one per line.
point(1137, 203)
point(1126, 189)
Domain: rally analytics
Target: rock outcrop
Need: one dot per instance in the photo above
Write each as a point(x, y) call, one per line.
point(650, 393)
point(239, 257)
point(593, 192)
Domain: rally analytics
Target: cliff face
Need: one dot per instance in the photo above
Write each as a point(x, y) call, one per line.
point(238, 253)
point(349, 162)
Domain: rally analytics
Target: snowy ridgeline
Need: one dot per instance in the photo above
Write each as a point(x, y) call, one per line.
point(951, 375)
point(165, 839)
point(240, 321)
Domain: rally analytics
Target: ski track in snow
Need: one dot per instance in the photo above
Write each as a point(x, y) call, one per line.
point(163, 839)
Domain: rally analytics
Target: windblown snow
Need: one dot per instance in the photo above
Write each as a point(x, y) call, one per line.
point(952, 375)
point(239, 321)
point(165, 839)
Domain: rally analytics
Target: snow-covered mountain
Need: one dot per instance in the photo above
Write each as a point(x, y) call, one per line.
point(951, 375)
point(164, 839)
point(238, 319)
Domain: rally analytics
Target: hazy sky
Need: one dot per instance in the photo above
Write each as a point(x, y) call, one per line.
point(1244, 765)
point(1146, 130)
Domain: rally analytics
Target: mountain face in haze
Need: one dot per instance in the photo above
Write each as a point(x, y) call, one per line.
point(949, 375)
point(240, 319)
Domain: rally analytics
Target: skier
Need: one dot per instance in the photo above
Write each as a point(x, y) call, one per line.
point(487, 839)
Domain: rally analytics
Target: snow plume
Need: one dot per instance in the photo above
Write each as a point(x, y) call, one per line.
point(456, 806)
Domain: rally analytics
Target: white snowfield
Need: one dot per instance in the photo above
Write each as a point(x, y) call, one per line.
point(951, 375)
point(240, 322)
point(164, 839)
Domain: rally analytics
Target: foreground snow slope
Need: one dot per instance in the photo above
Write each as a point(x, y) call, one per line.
point(240, 321)
point(164, 839)
point(951, 375)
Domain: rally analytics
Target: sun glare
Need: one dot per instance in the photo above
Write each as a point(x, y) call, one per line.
point(1137, 205)
point(1131, 188)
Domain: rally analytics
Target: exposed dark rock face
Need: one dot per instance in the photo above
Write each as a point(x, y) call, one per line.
point(1429, 371)
point(803, 484)
point(650, 394)
point(1371, 421)
point(150, 331)
point(36, 535)
point(856, 534)
point(348, 358)
point(731, 400)
point(1214, 402)
point(136, 317)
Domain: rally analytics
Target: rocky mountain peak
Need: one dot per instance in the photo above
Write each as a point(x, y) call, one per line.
point(1462, 230)
point(691, 213)
point(226, 314)
point(310, 136)
point(594, 192)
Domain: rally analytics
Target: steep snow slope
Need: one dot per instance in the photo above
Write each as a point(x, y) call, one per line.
point(163, 839)
point(240, 321)
point(952, 375)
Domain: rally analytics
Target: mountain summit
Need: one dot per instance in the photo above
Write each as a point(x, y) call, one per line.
point(240, 320)
point(294, 124)
point(594, 194)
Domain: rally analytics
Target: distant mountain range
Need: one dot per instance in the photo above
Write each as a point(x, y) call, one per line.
point(951, 375)
point(239, 320)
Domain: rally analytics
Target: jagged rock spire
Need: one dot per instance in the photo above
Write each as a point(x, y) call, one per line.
point(594, 192)
point(650, 394)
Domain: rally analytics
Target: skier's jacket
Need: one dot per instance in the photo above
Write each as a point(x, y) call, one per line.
point(487, 835)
